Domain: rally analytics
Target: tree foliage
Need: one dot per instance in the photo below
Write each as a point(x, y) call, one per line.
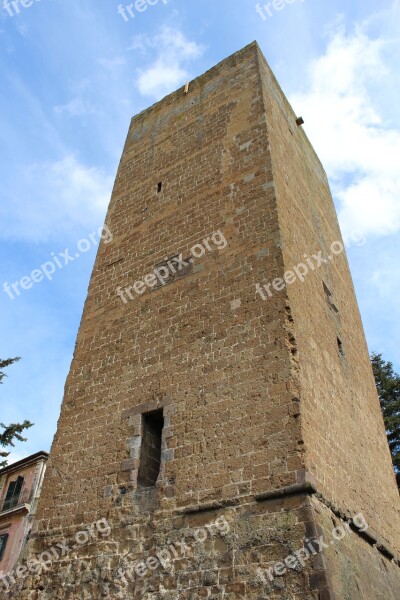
point(388, 386)
point(11, 432)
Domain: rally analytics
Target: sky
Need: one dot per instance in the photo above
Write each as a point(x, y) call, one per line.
point(73, 73)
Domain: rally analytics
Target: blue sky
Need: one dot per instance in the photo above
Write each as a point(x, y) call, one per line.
point(73, 73)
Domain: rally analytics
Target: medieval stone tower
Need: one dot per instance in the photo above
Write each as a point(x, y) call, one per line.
point(220, 415)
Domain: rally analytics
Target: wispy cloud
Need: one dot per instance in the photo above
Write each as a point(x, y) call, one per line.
point(76, 107)
point(65, 195)
point(359, 148)
point(169, 67)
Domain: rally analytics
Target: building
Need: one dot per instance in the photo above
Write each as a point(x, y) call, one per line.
point(220, 412)
point(20, 486)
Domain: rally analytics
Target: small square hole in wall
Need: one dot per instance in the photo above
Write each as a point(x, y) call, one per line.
point(159, 187)
point(150, 452)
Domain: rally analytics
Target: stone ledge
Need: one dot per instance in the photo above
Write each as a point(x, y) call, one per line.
point(310, 489)
point(213, 505)
point(370, 536)
point(290, 490)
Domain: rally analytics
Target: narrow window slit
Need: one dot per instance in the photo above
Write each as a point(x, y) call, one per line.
point(329, 297)
point(159, 187)
point(150, 452)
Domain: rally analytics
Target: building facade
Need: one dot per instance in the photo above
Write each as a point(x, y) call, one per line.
point(220, 412)
point(20, 486)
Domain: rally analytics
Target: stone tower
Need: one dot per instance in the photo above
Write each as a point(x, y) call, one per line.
point(220, 435)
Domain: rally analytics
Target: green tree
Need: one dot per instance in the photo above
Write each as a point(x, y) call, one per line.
point(388, 386)
point(13, 431)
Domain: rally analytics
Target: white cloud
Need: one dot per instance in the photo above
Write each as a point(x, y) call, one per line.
point(64, 196)
point(346, 123)
point(161, 78)
point(168, 70)
point(74, 108)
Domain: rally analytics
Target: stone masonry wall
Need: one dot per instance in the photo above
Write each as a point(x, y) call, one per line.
point(200, 346)
point(344, 436)
point(231, 426)
point(221, 553)
point(357, 570)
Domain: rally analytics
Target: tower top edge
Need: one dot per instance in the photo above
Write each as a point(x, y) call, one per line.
point(238, 56)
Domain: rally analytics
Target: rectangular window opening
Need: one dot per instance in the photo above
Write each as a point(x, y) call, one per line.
point(159, 187)
point(150, 452)
point(13, 493)
point(340, 346)
point(3, 544)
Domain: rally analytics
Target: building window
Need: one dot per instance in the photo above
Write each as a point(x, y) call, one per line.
point(150, 452)
point(159, 187)
point(329, 297)
point(3, 544)
point(13, 493)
